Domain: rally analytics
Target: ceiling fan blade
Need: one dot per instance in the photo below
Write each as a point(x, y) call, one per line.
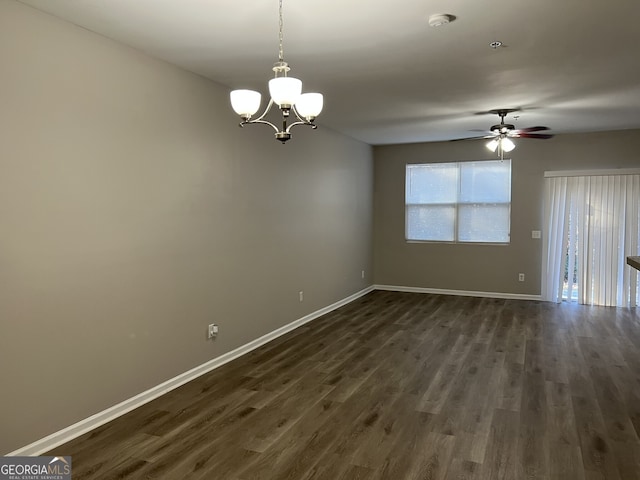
point(532, 129)
point(541, 136)
point(471, 138)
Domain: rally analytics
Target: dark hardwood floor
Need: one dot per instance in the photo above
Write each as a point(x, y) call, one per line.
point(400, 386)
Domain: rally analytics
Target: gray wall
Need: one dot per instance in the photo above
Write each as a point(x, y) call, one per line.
point(134, 212)
point(484, 268)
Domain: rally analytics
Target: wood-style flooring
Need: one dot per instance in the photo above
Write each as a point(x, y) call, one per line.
point(400, 386)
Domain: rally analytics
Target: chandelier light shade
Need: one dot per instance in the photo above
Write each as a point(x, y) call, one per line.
point(285, 92)
point(245, 102)
point(309, 105)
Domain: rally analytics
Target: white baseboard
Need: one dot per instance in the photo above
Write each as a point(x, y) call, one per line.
point(461, 293)
point(83, 426)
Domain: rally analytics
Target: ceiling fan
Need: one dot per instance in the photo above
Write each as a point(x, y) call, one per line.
point(500, 135)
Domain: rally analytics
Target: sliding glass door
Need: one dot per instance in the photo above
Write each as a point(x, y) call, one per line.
point(593, 224)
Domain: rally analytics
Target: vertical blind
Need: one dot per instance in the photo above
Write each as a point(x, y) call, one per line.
point(593, 224)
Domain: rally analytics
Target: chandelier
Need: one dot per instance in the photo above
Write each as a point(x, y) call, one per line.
point(286, 92)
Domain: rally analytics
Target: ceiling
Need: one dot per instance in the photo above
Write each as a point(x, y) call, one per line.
point(387, 76)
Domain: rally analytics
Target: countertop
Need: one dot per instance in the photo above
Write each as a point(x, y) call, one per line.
point(634, 262)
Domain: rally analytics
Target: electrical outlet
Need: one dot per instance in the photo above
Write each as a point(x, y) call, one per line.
point(521, 277)
point(301, 295)
point(362, 273)
point(213, 330)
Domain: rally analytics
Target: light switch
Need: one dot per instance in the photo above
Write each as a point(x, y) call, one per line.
point(535, 233)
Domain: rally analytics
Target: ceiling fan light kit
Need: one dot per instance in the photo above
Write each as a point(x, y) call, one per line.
point(505, 144)
point(500, 135)
point(286, 92)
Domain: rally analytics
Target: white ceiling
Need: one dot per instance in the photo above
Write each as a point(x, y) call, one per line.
point(387, 77)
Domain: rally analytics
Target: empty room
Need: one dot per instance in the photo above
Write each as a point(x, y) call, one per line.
point(319, 240)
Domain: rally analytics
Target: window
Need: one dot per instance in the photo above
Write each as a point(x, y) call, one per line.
point(468, 202)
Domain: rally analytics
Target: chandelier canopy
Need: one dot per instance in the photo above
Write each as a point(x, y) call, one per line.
point(286, 92)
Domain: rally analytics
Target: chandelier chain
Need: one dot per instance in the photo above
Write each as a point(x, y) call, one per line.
point(281, 36)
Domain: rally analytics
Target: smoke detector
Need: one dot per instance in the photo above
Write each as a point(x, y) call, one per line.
point(440, 19)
